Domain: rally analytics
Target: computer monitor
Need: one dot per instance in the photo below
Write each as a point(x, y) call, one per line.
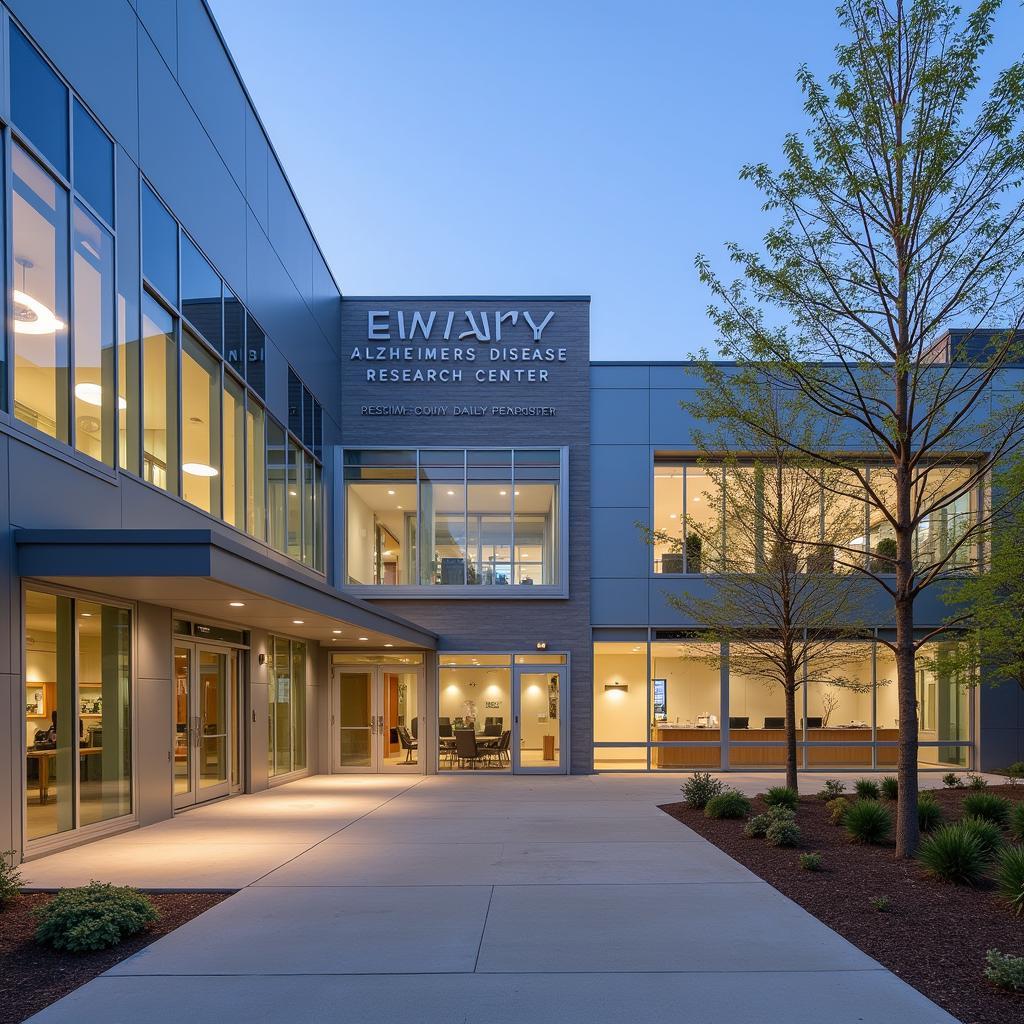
point(775, 723)
point(739, 723)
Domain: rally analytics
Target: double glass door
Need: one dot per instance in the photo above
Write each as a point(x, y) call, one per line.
point(376, 719)
point(206, 694)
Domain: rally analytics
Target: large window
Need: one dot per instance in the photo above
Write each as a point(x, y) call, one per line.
point(286, 750)
point(78, 736)
point(200, 426)
point(657, 705)
point(160, 396)
point(691, 507)
point(453, 517)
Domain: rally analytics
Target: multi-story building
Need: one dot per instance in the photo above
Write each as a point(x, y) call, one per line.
point(255, 528)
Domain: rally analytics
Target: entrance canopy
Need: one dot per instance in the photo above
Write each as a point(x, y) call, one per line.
point(212, 575)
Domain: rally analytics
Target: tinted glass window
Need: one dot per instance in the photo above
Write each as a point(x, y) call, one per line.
point(39, 102)
point(234, 332)
point(295, 404)
point(255, 356)
point(307, 418)
point(159, 245)
point(200, 293)
point(94, 164)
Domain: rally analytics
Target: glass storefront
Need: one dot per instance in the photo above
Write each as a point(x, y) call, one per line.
point(657, 705)
point(286, 704)
point(78, 734)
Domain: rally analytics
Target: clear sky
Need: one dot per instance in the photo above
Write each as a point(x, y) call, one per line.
point(536, 147)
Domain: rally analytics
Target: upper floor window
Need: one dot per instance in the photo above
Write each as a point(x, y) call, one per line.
point(692, 502)
point(454, 517)
point(39, 102)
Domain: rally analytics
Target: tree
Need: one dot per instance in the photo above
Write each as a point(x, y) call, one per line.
point(775, 599)
point(898, 213)
point(994, 600)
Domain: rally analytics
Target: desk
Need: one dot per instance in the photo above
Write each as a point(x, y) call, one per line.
point(45, 757)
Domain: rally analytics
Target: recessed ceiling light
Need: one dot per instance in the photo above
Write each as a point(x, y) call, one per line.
point(335, 630)
point(237, 604)
point(389, 645)
point(391, 492)
point(516, 494)
point(86, 615)
point(451, 492)
point(503, 493)
point(364, 638)
point(293, 494)
point(299, 622)
point(398, 506)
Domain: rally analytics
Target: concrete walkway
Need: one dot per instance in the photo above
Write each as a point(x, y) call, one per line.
point(438, 899)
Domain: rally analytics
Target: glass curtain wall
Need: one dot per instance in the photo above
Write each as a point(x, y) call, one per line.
point(160, 396)
point(474, 712)
point(77, 713)
point(667, 709)
point(453, 517)
point(286, 749)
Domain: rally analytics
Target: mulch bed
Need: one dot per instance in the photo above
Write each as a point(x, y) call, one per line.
point(935, 935)
point(33, 976)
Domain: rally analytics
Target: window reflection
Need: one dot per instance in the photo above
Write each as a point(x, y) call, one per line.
point(200, 426)
point(39, 101)
point(234, 452)
point(255, 471)
point(160, 396)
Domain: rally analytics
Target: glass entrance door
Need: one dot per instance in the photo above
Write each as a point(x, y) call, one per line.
point(205, 704)
point(539, 738)
point(377, 719)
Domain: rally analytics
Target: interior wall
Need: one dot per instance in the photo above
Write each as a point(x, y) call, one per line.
point(360, 541)
point(692, 687)
point(488, 690)
point(620, 715)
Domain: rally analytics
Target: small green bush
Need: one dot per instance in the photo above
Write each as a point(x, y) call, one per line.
point(782, 833)
point(810, 861)
point(730, 804)
point(1010, 878)
point(891, 787)
point(953, 854)
point(867, 789)
point(988, 834)
point(951, 780)
point(988, 806)
point(837, 809)
point(10, 878)
point(976, 781)
point(781, 796)
point(699, 788)
point(1017, 822)
point(93, 916)
point(832, 789)
point(758, 825)
point(881, 904)
point(1015, 772)
point(868, 821)
point(1004, 970)
point(929, 813)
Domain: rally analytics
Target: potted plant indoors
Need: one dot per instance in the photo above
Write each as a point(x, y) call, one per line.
point(886, 548)
point(694, 550)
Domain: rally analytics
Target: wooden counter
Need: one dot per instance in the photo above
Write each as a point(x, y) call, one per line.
point(837, 753)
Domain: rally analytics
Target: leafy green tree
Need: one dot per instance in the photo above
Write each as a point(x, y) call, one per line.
point(897, 213)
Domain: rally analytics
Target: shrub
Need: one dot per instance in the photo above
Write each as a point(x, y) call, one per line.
point(10, 878)
point(988, 806)
point(758, 825)
point(782, 833)
point(929, 813)
point(1015, 772)
point(93, 916)
point(951, 780)
point(953, 854)
point(976, 782)
point(882, 904)
point(833, 788)
point(868, 821)
point(867, 789)
point(1004, 970)
point(781, 796)
point(699, 788)
point(891, 787)
point(810, 861)
point(1017, 822)
point(1010, 878)
point(988, 834)
point(837, 809)
point(730, 804)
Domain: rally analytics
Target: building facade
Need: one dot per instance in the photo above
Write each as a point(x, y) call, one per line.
point(255, 528)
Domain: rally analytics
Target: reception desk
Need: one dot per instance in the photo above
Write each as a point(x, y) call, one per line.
point(837, 754)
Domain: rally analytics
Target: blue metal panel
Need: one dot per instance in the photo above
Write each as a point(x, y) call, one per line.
point(326, 301)
point(9, 652)
point(620, 376)
point(93, 45)
point(161, 22)
point(620, 474)
point(619, 416)
point(617, 546)
point(257, 162)
point(672, 426)
point(187, 170)
point(209, 81)
point(289, 234)
point(618, 602)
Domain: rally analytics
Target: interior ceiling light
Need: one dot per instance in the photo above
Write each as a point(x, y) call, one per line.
point(299, 622)
point(451, 493)
point(335, 630)
point(198, 469)
point(293, 494)
point(389, 645)
point(32, 317)
point(92, 394)
point(391, 492)
point(364, 638)
point(237, 604)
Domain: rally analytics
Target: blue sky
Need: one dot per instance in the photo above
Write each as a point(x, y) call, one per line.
point(536, 147)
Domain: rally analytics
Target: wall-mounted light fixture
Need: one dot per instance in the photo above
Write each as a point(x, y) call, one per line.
point(542, 645)
point(616, 687)
point(262, 659)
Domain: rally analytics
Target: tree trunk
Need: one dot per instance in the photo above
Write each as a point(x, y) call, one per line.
point(791, 778)
point(907, 832)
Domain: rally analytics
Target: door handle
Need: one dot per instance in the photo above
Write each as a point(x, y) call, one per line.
point(197, 731)
point(380, 724)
